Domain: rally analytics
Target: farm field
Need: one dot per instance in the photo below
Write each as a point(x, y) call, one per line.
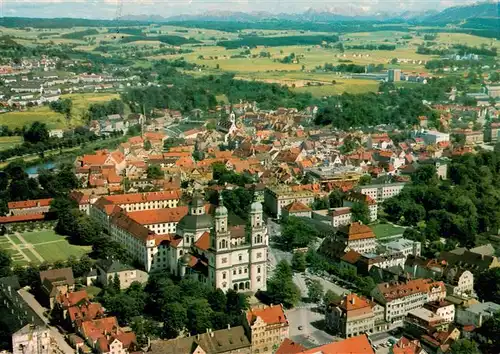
point(40, 246)
point(349, 86)
point(8, 142)
point(55, 120)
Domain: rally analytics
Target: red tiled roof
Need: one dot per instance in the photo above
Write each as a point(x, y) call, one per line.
point(407, 346)
point(72, 299)
point(21, 218)
point(357, 231)
point(269, 314)
point(203, 242)
point(86, 312)
point(96, 328)
point(97, 159)
point(290, 347)
point(159, 216)
point(29, 203)
point(353, 345)
point(296, 207)
point(396, 290)
point(351, 257)
point(341, 211)
point(143, 197)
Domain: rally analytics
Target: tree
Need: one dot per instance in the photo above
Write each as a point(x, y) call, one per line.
point(365, 179)
point(296, 233)
point(490, 330)
point(5, 264)
point(464, 346)
point(360, 212)
point(217, 300)
point(280, 288)
point(488, 285)
point(336, 198)
point(425, 174)
point(144, 329)
point(147, 145)
point(175, 319)
point(235, 304)
point(116, 283)
point(299, 262)
point(36, 133)
point(315, 290)
point(199, 316)
point(155, 172)
point(330, 297)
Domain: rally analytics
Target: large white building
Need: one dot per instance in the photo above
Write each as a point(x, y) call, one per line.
point(276, 198)
point(199, 245)
point(32, 339)
point(399, 298)
point(404, 246)
point(381, 192)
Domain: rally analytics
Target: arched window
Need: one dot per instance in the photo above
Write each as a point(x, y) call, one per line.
point(258, 279)
point(235, 287)
point(247, 285)
point(223, 244)
point(242, 286)
point(224, 275)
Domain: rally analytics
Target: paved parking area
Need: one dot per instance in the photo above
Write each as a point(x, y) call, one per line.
point(312, 323)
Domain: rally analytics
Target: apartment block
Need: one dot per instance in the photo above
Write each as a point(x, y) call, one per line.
point(276, 198)
point(381, 192)
point(357, 237)
point(267, 326)
point(399, 298)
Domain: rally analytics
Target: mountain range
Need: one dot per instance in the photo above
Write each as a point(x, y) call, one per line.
point(351, 13)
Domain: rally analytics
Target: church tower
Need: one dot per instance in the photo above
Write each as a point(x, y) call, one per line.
point(258, 248)
point(221, 245)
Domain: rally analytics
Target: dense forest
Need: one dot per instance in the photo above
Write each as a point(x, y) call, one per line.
point(400, 107)
point(458, 209)
point(172, 40)
point(254, 41)
point(80, 34)
point(189, 92)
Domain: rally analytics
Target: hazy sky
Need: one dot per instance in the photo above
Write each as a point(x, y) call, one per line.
point(107, 8)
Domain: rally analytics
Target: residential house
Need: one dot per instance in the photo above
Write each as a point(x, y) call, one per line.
point(107, 269)
point(443, 308)
point(296, 209)
point(28, 207)
point(359, 344)
point(404, 246)
point(459, 281)
point(55, 282)
point(357, 237)
point(474, 262)
point(224, 341)
point(381, 192)
point(276, 198)
point(421, 321)
point(476, 313)
point(352, 316)
point(32, 339)
point(341, 216)
point(399, 298)
point(267, 327)
point(407, 346)
point(353, 198)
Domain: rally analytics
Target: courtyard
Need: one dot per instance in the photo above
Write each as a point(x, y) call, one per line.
point(39, 246)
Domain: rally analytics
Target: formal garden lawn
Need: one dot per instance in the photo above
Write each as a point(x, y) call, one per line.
point(42, 236)
point(387, 230)
point(59, 251)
